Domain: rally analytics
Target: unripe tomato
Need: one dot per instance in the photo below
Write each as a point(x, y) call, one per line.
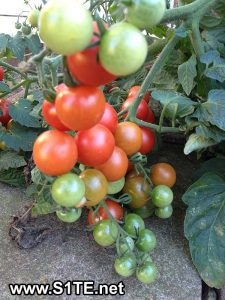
point(69, 215)
point(65, 26)
point(115, 187)
point(4, 108)
point(26, 29)
point(163, 174)
point(105, 233)
point(55, 152)
point(133, 224)
point(33, 17)
point(147, 272)
point(125, 265)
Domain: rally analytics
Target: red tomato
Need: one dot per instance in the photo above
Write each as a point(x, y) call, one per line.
point(55, 152)
point(150, 116)
point(116, 166)
point(134, 90)
point(81, 107)
point(85, 66)
point(128, 136)
point(50, 116)
point(4, 108)
point(95, 145)
point(148, 140)
point(60, 87)
point(114, 208)
point(130, 166)
point(1, 73)
point(109, 118)
point(142, 109)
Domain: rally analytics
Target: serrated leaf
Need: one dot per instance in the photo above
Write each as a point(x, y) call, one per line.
point(187, 73)
point(175, 102)
point(14, 177)
point(37, 177)
point(4, 38)
point(215, 165)
point(197, 142)
point(20, 112)
point(34, 44)
point(211, 132)
point(204, 227)
point(44, 204)
point(215, 65)
point(18, 45)
point(4, 87)
point(10, 159)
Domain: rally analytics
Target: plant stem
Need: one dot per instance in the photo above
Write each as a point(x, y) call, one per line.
point(14, 69)
point(24, 82)
point(185, 11)
point(196, 37)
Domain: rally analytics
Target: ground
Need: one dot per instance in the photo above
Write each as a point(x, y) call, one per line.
point(69, 252)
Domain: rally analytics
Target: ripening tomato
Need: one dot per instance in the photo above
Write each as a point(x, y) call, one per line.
point(128, 137)
point(81, 107)
point(163, 174)
point(96, 186)
point(148, 140)
point(115, 209)
point(55, 152)
point(50, 116)
point(95, 145)
point(116, 166)
point(4, 108)
point(1, 73)
point(142, 110)
point(109, 118)
point(85, 66)
point(134, 90)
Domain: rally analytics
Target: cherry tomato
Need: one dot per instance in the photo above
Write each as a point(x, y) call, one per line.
point(95, 145)
point(115, 209)
point(147, 272)
point(130, 166)
point(81, 107)
point(150, 116)
point(164, 212)
point(126, 244)
point(123, 49)
point(9, 124)
point(133, 174)
point(55, 152)
point(60, 87)
point(69, 215)
point(128, 137)
point(134, 90)
point(105, 233)
point(96, 186)
point(50, 116)
point(65, 26)
point(146, 210)
point(146, 240)
point(86, 67)
point(68, 190)
point(137, 188)
point(133, 224)
point(116, 166)
point(125, 265)
point(148, 140)
point(115, 187)
point(142, 109)
point(145, 14)
point(109, 118)
point(162, 196)
point(33, 17)
point(26, 29)
point(1, 73)
point(163, 173)
point(4, 108)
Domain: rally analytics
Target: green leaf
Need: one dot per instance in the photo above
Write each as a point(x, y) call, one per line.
point(10, 159)
point(14, 177)
point(197, 142)
point(37, 177)
point(215, 165)
point(211, 132)
point(19, 137)
point(44, 204)
point(34, 44)
point(18, 45)
point(20, 112)
point(4, 87)
point(210, 21)
point(215, 65)
point(4, 38)
point(204, 227)
point(174, 101)
point(187, 73)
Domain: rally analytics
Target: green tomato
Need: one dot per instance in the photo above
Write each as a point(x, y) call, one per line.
point(33, 17)
point(105, 233)
point(145, 211)
point(146, 13)
point(133, 224)
point(65, 26)
point(115, 187)
point(68, 190)
point(26, 29)
point(125, 265)
point(146, 240)
point(69, 215)
point(164, 212)
point(18, 25)
point(147, 272)
point(123, 49)
point(126, 245)
point(162, 196)
point(144, 257)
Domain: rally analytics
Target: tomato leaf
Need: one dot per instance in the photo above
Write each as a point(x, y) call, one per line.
point(10, 159)
point(187, 73)
point(215, 65)
point(4, 87)
point(215, 165)
point(14, 177)
point(44, 204)
point(204, 227)
point(197, 142)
